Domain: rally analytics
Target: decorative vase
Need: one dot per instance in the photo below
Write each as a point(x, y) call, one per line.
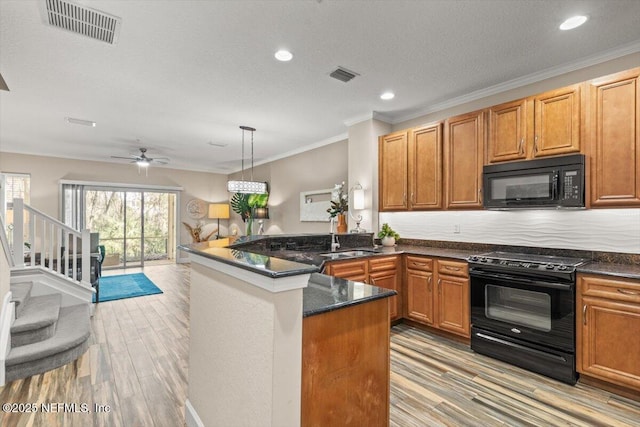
point(388, 241)
point(342, 224)
point(249, 226)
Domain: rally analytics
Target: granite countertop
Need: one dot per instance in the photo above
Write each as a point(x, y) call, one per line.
point(328, 293)
point(262, 264)
point(626, 271)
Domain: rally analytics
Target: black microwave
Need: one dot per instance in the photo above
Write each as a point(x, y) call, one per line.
point(553, 182)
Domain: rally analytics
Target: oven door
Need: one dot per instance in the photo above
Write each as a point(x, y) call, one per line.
point(536, 311)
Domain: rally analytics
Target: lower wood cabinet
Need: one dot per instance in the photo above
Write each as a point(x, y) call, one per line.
point(381, 271)
point(608, 329)
point(345, 366)
point(438, 294)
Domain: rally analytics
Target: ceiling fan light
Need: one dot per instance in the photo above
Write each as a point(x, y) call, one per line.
point(143, 163)
point(573, 22)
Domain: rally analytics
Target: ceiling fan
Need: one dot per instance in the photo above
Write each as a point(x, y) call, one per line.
point(142, 160)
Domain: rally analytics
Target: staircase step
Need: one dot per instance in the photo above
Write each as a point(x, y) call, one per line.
point(69, 342)
point(20, 293)
point(37, 321)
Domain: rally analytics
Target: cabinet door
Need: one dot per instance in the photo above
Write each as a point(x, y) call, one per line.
point(609, 348)
point(453, 305)
point(557, 122)
point(351, 270)
point(420, 296)
point(389, 280)
point(463, 155)
point(392, 168)
point(614, 133)
point(507, 132)
point(425, 168)
point(384, 272)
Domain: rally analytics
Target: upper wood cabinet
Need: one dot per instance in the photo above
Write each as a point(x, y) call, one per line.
point(410, 169)
point(392, 171)
point(614, 139)
point(543, 125)
point(425, 167)
point(508, 124)
point(464, 138)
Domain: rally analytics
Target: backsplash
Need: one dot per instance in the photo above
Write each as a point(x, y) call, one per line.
point(609, 230)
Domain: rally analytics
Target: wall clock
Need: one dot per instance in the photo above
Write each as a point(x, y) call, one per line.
point(196, 209)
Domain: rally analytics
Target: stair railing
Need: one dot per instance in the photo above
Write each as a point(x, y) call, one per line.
point(52, 244)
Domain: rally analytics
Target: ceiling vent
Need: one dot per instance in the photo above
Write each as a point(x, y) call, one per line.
point(343, 74)
point(83, 20)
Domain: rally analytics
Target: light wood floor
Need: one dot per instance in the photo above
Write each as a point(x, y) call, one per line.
point(137, 364)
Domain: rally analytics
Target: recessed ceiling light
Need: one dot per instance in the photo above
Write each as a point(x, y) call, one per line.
point(283, 55)
point(573, 22)
point(387, 96)
point(80, 122)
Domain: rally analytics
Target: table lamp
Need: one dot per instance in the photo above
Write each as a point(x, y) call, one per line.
point(218, 211)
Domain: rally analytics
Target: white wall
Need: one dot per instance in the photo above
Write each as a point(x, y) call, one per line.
point(46, 172)
point(312, 170)
point(609, 230)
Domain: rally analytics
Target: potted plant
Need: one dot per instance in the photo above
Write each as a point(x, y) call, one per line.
point(387, 236)
point(339, 207)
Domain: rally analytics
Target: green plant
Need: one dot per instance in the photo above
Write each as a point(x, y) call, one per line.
point(242, 204)
point(339, 201)
point(387, 231)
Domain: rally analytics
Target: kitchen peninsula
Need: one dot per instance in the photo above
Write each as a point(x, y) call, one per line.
point(275, 343)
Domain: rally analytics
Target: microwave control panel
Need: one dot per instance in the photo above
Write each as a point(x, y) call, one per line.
point(571, 180)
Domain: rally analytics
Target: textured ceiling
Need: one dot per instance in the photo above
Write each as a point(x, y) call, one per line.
point(186, 73)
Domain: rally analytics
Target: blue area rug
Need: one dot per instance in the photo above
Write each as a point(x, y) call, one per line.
point(126, 286)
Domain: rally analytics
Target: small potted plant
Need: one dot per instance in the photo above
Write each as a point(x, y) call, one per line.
point(387, 236)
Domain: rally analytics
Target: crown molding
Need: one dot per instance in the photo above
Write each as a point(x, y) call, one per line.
point(620, 51)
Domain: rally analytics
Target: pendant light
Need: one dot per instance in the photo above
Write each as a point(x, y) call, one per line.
point(247, 187)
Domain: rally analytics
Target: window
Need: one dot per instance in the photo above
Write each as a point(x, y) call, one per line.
point(17, 186)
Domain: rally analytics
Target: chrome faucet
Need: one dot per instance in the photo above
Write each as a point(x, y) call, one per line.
point(335, 244)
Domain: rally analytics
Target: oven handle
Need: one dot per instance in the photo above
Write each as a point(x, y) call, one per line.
point(521, 280)
point(520, 347)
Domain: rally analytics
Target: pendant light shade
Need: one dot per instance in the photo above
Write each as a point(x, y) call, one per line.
point(242, 186)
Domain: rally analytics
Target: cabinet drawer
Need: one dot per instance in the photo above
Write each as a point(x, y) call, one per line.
point(453, 268)
point(419, 263)
point(383, 263)
point(620, 290)
point(348, 268)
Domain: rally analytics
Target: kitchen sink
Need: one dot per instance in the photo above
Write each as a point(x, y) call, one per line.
point(347, 254)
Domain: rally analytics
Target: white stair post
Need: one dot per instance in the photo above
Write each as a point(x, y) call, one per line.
point(18, 232)
point(86, 258)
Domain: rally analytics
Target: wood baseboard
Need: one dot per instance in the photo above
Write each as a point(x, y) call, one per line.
point(435, 331)
point(610, 387)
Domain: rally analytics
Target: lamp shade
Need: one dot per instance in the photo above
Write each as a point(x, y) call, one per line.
point(358, 199)
point(261, 213)
point(218, 210)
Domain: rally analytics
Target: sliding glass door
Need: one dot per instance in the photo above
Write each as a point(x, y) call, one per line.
point(134, 226)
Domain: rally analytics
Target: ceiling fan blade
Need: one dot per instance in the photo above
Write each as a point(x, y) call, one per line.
point(161, 161)
point(125, 158)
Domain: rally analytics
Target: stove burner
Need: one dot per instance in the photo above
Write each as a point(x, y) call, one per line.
point(526, 262)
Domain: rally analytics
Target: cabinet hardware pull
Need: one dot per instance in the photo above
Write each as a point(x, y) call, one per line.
point(439, 286)
point(447, 267)
point(535, 145)
point(413, 197)
point(584, 314)
point(373, 281)
point(521, 149)
point(419, 263)
point(429, 284)
point(626, 292)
